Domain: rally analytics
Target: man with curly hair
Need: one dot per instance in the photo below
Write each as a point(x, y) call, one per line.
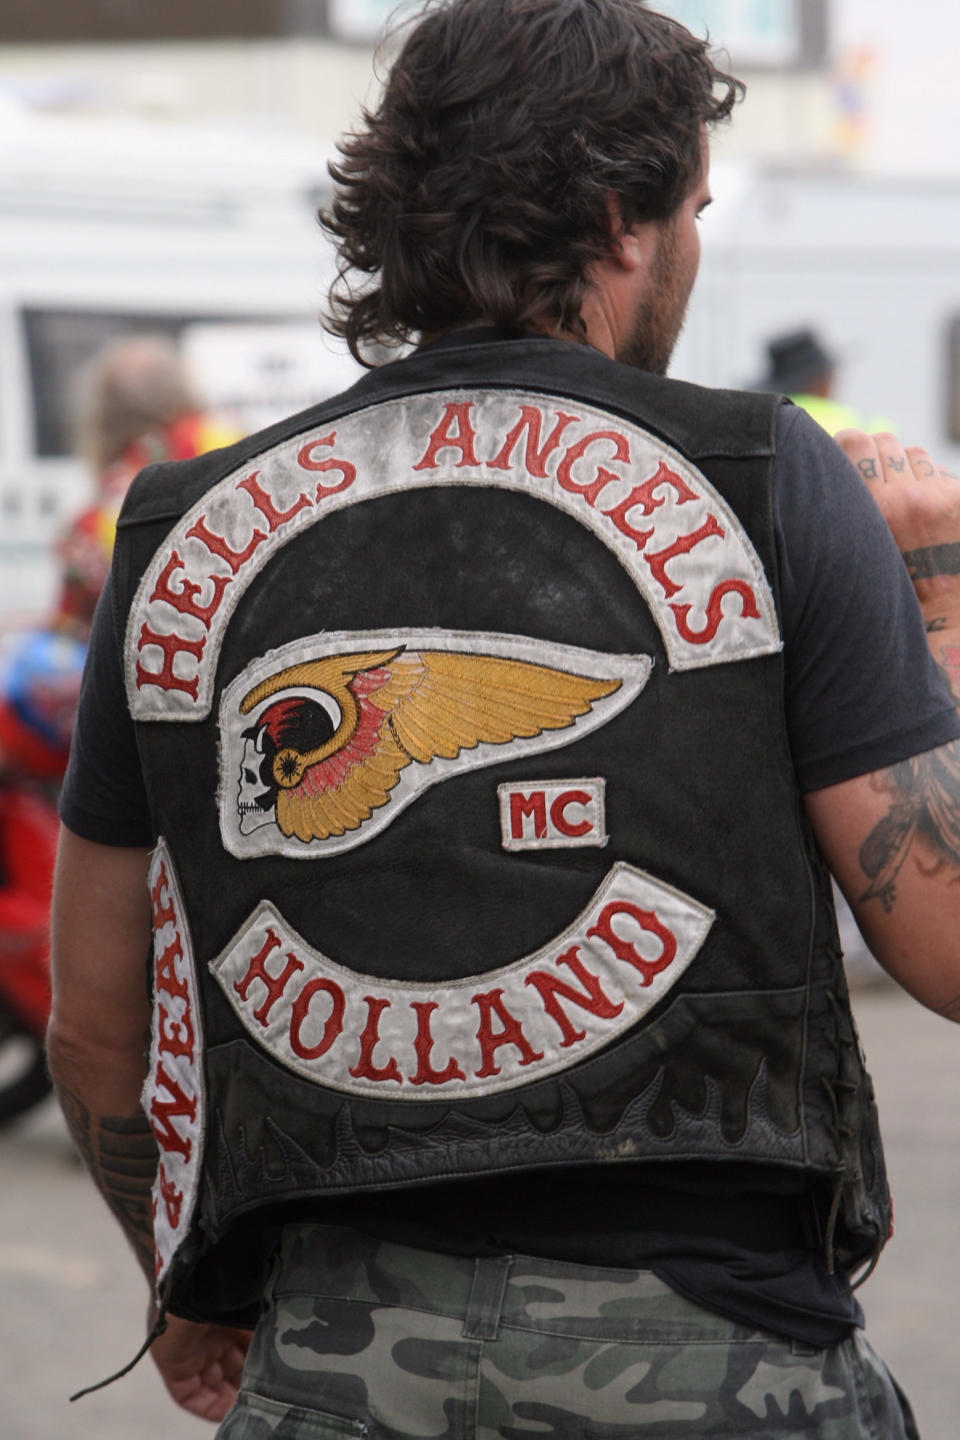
point(501, 1072)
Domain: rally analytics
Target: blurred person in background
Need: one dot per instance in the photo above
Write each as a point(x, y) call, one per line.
point(40, 675)
point(136, 405)
point(476, 746)
point(799, 365)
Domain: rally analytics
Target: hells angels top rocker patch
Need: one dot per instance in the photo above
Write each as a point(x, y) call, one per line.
point(680, 543)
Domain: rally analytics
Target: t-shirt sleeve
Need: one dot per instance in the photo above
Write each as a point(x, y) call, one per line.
point(862, 689)
point(103, 796)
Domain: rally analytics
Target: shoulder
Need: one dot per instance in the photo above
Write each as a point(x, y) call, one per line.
point(822, 511)
point(163, 492)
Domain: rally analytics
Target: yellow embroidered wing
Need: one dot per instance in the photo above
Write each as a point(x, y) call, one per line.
point(410, 706)
point(457, 701)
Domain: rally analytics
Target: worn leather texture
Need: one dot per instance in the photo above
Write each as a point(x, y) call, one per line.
point(750, 1056)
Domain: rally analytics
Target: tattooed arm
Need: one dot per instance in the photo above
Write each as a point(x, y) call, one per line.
point(893, 838)
point(97, 1049)
point(99, 1029)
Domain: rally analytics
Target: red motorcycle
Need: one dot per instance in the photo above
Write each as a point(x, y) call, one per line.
point(39, 686)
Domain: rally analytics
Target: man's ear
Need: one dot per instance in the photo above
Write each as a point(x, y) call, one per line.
point(630, 249)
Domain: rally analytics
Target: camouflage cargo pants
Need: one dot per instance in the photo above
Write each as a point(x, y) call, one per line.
point(365, 1338)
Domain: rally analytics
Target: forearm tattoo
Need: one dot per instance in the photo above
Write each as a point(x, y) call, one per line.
point(121, 1155)
point(934, 560)
point(926, 803)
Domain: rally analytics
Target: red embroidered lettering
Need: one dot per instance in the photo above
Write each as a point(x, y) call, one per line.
point(491, 1040)
point(748, 610)
point(185, 599)
point(531, 420)
point(217, 545)
point(348, 471)
point(426, 1075)
point(644, 495)
point(333, 1024)
point(365, 1068)
point(172, 646)
point(535, 805)
point(625, 949)
point(604, 477)
point(591, 998)
point(172, 1197)
point(176, 1037)
point(442, 438)
point(558, 813)
point(682, 546)
point(166, 974)
point(265, 505)
point(163, 1112)
point(619, 515)
point(162, 912)
point(273, 984)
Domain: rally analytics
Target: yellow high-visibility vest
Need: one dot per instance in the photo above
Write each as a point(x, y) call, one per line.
point(834, 417)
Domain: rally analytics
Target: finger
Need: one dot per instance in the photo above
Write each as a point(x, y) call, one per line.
point(895, 461)
point(921, 465)
point(862, 451)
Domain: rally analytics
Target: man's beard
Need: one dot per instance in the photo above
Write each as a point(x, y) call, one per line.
point(660, 316)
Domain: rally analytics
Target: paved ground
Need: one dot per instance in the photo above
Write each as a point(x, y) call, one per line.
point(72, 1300)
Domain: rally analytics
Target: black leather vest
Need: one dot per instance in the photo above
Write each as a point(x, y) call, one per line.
point(460, 706)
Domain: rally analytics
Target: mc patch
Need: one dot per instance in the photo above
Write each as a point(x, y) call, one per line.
point(551, 814)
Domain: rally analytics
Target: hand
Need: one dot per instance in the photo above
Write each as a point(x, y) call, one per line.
point(920, 501)
point(201, 1365)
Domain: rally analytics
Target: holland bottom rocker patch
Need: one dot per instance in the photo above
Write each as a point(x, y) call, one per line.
point(476, 1035)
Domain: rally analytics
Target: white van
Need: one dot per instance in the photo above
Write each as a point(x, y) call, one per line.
point(113, 228)
point(871, 263)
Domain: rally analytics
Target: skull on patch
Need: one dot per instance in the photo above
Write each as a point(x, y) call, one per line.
point(286, 729)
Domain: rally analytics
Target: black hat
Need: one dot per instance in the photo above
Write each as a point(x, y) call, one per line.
point(794, 361)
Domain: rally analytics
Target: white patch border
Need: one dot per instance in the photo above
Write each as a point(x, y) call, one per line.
point(154, 703)
point(633, 670)
point(599, 838)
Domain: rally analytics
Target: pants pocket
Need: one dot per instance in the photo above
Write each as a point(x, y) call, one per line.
point(255, 1417)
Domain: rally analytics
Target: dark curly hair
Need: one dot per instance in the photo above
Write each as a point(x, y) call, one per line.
point(477, 189)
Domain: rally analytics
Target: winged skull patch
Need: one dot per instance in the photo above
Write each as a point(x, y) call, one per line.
point(325, 741)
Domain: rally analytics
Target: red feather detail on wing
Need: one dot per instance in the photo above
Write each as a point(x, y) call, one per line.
point(330, 773)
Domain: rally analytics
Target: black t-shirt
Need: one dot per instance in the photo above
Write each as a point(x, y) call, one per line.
point(738, 1243)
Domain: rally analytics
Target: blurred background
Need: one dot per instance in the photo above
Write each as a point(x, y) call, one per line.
point(161, 162)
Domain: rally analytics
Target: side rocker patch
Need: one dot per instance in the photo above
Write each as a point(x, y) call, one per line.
point(325, 741)
point(681, 544)
point(173, 1097)
point(475, 1036)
